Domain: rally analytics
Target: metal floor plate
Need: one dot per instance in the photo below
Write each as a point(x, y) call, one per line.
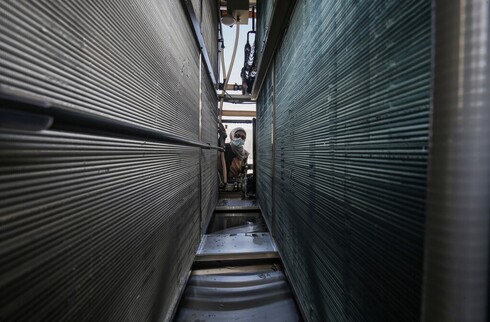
point(236, 246)
point(247, 228)
point(237, 222)
point(237, 205)
point(250, 296)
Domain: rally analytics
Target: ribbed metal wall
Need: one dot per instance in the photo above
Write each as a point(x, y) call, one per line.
point(94, 228)
point(97, 227)
point(210, 30)
point(209, 158)
point(264, 14)
point(264, 147)
point(352, 119)
point(130, 61)
point(206, 12)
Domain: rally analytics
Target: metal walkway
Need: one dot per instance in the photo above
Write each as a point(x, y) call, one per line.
point(237, 273)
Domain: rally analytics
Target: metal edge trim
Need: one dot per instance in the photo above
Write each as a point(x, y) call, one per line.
point(191, 15)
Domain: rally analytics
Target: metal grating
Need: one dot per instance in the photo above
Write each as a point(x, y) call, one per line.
point(96, 227)
point(210, 30)
point(126, 60)
point(264, 15)
point(209, 158)
point(90, 225)
point(264, 148)
point(351, 129)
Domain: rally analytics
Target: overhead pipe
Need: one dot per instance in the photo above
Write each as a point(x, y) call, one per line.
point(456, 277)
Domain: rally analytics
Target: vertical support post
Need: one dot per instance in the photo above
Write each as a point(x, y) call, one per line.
point(456, 277)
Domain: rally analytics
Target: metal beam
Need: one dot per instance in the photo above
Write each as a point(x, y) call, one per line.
point(237, 98)
point(231, 87)
point(225, 13)
point(237, 121)
point(277, 26)
point(239, 113)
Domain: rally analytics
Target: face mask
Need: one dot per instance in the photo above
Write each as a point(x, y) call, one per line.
point(238, 142)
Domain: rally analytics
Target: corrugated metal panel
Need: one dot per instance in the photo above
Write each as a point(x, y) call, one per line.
point(352, 110)
point(209, 158)
point(264, 15)
point(210, 30)
point(264, 148)
point(124, 59)
point(94, 227)
point(206, 13)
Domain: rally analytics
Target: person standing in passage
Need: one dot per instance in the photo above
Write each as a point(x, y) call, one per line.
point(235, 154)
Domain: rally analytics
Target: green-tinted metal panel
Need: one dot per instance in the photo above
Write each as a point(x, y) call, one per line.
point(264, 15)
point(264, 148)
point(351, 131)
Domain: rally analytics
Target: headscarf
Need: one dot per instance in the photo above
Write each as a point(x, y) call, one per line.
point(239, 151)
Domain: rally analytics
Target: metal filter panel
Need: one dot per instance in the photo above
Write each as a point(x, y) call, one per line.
point(132, 61)
point(101, 227)
point(94, 227)
point(209, 115)
point(264, 148)
point(264, 15)
point(351, 131)
point(209, 158)
point(210, 31)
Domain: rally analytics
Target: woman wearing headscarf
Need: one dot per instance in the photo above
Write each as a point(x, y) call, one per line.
point(235, 154)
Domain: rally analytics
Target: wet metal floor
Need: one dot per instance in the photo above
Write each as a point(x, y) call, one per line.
point(237, 222)
point(237, 246)
point(237, 273)
point(260, 295)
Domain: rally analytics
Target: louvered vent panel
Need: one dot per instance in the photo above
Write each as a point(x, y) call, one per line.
point(209, 158)
point(352, 118)
point(134, 61)
point(264, 148)
point(94, 228)
point(264, 14)
point(210, 30)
